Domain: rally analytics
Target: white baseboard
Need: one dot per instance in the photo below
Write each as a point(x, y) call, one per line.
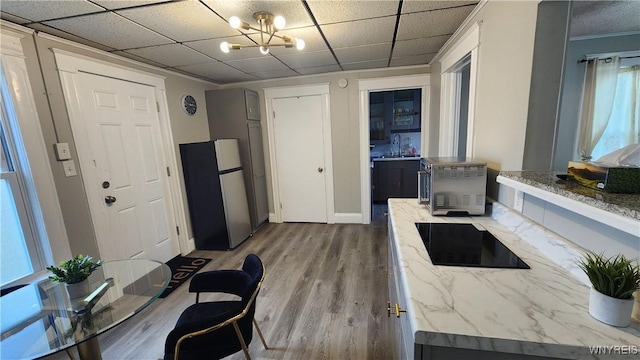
point(191, 244)
point(339, 218)
point(348, 218)
point(272, 217)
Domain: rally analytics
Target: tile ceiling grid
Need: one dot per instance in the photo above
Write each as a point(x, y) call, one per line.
point(185, 35)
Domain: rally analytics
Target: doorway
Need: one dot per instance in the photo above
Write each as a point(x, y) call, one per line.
point(300, 153)
point(366, 88)
point(124, 158)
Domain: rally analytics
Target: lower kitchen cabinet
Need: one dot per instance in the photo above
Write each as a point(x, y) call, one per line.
point(405, 344)
point(395, 179)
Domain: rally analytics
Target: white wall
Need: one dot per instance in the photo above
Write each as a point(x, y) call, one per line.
point(507, 34)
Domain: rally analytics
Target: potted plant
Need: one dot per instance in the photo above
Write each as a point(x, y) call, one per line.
point(614, 281)
point(74, 274)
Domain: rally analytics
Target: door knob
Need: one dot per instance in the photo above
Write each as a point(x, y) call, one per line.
point(320, 169)
point(109, 199)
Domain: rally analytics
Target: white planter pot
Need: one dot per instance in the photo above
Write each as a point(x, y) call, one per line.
point(612, 311)
point(78, 290)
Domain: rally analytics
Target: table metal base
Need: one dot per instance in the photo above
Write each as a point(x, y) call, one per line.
point(90, 350)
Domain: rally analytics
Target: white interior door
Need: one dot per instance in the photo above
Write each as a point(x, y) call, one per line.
point(299, 150)
point(125, 174)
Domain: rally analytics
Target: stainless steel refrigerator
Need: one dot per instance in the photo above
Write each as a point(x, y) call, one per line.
point(216, 194)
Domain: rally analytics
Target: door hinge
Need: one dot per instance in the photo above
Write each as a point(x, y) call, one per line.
point(280, 206)
point(274, 114)
point(178, 229)
point(168, 171)
point(157, 106)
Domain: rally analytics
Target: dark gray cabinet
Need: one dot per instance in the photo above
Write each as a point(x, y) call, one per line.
point(235, 114)
point(395, 179)
point(397, 111)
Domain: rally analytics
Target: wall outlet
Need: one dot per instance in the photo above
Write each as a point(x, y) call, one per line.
point(69, 168)
point(62, 151)
point(518, 201)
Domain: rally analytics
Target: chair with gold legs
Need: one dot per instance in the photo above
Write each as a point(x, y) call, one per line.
point(215, 329)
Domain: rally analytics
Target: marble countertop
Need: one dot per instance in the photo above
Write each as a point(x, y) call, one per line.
point(627, 205)
point(541, 311)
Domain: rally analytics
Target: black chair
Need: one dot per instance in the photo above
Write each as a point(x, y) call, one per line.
point(213, 330)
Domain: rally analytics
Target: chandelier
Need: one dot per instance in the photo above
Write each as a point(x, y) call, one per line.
point(269, 25)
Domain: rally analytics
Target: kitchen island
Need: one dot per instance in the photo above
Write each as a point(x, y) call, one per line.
point(487, 313)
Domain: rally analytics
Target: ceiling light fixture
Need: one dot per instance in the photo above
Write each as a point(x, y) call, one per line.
point(269, 25)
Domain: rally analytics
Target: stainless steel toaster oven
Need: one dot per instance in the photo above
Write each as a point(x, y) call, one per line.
point(452, 185)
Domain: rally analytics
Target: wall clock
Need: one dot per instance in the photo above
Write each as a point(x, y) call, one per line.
point(189, 104)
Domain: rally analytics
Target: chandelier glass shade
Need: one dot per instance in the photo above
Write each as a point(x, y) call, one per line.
point(269, 25)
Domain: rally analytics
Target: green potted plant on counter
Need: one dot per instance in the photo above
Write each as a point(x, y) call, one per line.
point(74, 273)
point(613, 280)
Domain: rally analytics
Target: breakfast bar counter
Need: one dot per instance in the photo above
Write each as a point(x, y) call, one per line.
point(492, 313)
point(621, 211)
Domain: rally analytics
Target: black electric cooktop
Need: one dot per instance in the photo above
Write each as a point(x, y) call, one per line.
point(455, 244)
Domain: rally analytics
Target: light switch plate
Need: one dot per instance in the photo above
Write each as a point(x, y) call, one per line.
point(62, 151)
point(69, 168)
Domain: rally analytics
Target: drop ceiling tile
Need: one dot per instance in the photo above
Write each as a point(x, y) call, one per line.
point(328, 12)
point(375, 64)
point(409, 6)
point(12, 18)
point(264, 63)
point(310, 35)
point(318, 69)
point(120, 4)
point(111, 30)
point(171, 55)
point(422, 59)
point(361, 32)
point(65, 35)
point(293, 11)
point(364, 53)
point(212, 48)
point(216, 70)
point(275, 74)
point(431, 23)
point(419, 46)
point(307, 59)
point(46, 10)
point(180, 21)
point(138, 58)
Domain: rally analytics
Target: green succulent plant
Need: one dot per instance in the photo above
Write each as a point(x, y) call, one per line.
point(614, 276)
point(74, 270)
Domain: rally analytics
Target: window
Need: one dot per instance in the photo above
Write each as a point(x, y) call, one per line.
point(32, 231)
point(610, 117)
point(17, 238)
point(624, 123)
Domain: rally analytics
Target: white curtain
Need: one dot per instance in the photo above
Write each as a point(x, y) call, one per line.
point(597, 102)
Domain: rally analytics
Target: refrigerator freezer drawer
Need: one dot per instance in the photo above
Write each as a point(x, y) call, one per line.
point(227, 154)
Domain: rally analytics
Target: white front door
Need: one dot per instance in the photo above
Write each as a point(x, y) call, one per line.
point(300, 159)
point(125, 174)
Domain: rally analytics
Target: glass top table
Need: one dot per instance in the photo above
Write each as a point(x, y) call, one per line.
point(40, 319)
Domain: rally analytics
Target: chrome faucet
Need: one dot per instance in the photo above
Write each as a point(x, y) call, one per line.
point(396, 140)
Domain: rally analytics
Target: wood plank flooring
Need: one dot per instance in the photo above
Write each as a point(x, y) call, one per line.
point(324, 297)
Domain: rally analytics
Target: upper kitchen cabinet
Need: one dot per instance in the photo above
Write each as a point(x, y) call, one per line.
point(390, 112)
point(406, 110)
point(235, 114)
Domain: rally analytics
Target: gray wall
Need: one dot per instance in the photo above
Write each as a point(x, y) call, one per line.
point(572, 90)
point(552, 28)
point(345, 129)
point(56, 127)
